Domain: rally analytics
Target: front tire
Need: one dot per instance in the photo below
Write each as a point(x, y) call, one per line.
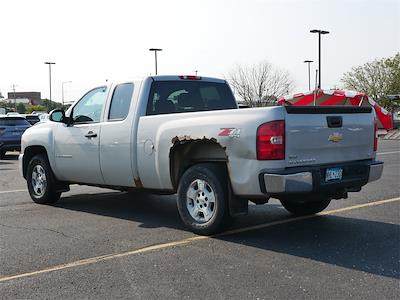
point(203, 198)
point(41, 181)
point(305, 205)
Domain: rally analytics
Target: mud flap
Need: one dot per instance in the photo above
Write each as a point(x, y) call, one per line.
point(237, 206)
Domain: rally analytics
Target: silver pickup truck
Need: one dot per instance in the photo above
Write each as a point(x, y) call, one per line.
point(185, 135)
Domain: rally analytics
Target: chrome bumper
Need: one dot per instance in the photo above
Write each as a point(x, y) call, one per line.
point(303, 182)
point(21, 164)
point(375, 172)
point(292, 183)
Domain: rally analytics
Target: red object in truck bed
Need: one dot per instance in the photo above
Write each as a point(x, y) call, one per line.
point(339, 98)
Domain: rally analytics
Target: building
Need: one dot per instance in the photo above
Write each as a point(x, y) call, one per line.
point(18, 100)
point(34, 98)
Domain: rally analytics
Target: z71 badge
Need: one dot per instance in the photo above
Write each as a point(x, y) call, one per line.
point(231, 132)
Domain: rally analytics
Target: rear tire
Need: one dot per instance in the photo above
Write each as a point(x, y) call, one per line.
point(41, 181)
point(305, 205)
point(203, 198)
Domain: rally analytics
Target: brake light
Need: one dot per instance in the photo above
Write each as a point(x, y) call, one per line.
point(375, 136)
point(271, 141)
point(190, 77)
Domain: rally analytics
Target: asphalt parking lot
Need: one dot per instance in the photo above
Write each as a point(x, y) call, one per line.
point(101, 244)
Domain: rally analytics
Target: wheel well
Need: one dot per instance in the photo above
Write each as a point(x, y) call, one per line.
point(186, 153)
point(30, 152)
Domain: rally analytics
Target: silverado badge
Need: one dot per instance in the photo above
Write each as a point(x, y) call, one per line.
point(336, 137)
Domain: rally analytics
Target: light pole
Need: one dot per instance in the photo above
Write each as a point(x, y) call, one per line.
point(62, 90)
point(319, 52)
point(50, 63)
point(14, 96)
point(309, 83)
point(155, 55)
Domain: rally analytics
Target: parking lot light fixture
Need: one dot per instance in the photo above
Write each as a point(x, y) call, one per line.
point(49, 63)
point(319, 52)
point(62, 90)
point(155, 55)
point(309, 82)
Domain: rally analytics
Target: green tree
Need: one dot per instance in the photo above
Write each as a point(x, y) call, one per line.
point(21, 108)
point(50, 105)
point(36, 108)
point(378, 79)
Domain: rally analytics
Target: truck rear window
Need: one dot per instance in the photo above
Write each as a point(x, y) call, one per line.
point(188, 96)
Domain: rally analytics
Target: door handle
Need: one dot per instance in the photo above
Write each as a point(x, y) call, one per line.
point(91, 134)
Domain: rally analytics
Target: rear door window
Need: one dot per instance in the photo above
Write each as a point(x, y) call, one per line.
point(120, 102)
point(188, 96)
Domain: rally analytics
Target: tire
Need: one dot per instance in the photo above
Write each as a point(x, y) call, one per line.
point(41, 181)
point(305, 205)
point(2, 154)
point(203, 198)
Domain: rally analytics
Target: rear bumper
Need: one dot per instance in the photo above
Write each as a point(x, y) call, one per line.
point(312, 179)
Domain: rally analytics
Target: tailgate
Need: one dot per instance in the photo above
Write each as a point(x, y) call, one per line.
point(318, 135)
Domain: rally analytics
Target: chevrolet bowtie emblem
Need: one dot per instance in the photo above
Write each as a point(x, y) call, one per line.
point(335, 138)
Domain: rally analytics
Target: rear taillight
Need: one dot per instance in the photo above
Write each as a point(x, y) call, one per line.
point(271, 141)
point(375, 137)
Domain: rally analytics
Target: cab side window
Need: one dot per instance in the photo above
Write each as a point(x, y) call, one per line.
point(89, 108)
point(120, 102)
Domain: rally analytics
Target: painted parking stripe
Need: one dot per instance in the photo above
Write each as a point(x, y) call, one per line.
point(12, 191)
point(385, 153)
point(106, 257)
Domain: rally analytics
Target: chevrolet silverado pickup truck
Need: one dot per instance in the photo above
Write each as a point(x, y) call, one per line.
point(186, 135)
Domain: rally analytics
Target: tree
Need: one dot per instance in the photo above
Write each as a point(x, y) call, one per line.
point(32, 108)
point(21, 108)
point(378, 79)
point(261, 84)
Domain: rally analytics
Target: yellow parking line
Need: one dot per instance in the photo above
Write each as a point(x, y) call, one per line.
point(106, 257)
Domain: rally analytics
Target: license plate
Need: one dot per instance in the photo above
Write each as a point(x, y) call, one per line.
point(16, 133)
point(333, 174)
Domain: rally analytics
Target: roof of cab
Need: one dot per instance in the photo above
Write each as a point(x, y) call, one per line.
point(177, 77)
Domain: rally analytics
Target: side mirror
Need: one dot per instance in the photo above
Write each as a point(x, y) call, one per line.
point(57, 115)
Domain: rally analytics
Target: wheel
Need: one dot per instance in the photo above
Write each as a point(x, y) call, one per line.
point(2, 154)
point(305, 205)
point(203, 198)
point(41, 181)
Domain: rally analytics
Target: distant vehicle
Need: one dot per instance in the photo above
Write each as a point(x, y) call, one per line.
point(43, 117)
point(186, 135)
point(38, 112)
point(396, 120)
point(11, 130)
point(13, 114)
point(32, 119)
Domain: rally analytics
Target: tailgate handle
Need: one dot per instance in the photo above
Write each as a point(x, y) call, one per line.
point(334, 121)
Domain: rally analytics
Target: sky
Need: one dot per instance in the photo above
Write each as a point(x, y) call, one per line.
point(95, 41)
